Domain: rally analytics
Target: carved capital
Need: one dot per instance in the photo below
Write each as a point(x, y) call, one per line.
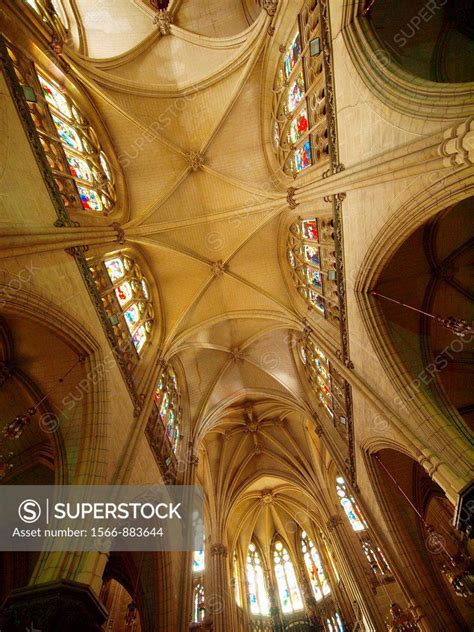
point(333, 522)
point(269, 6)
point(219, 550)
point(290, 198)
point(120, 233)
point(457, 147)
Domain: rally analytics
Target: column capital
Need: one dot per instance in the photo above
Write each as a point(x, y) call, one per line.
point(334, 522)
point(218, 549)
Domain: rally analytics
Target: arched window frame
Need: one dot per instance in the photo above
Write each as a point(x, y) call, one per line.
point(311, 254)
point(314, 567)
point(299, 122)
point(286, 579)
point(78, 163)
point(255, 574)
point(133, 337)
point(199, 602)
point(327, 382)
point(373, 553)
point(167, 398)
point(51, 14)
point(236, 579)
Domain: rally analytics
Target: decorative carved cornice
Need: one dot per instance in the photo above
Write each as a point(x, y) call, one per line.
point(219, 550)
point(33, 137)
point(163, 20)
point(458, 145)
point(195, 160)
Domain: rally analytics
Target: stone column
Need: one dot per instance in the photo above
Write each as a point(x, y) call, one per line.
point(356, 579)
point(218, 605)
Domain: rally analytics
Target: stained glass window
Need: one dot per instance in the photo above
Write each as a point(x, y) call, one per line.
point(326, 381)
point(288, 589)
point(258, 597)
point(299, 98)
point(373, 553)
point(348, 504)
point(312, 256)
point(120, 282)
point(78, 164)
point(314, 566)
point(199, 564)
point(168, 401)
point(334, 623)
point(199, 611)
point(236, 579)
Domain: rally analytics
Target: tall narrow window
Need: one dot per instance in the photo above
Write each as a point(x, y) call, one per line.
point(258, 596)
point(126, 298)
point(199, 563)
point(236, 580)
point(77, 161)
point(375, 557)
point(312, 260)
point(300, 132)
point(167, 398)
point(199, 611)
point(314, 566)
point(288, 589)
point(334, 623)
point(328, 384)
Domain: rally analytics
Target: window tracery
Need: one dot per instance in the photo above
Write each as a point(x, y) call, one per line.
point(126, 298)
point(329, 385)
point(168, 400)
point(314, 566)
point(77, 161)
point(312, 260)
point(374, 554)
point(334, 623)
point(300, 129)
point(199, 611)
point(258, 596)
point(288, 589)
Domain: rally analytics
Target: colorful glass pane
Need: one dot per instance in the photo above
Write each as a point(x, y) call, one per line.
point(288, 589)
point(115, 269)
point(67, 134)
point(317, 301)
point(124, 293)
point(293, 54)
point(139, 338)
point(54, 97)
point(259, 603)
point(296, 92)
point(314, 278)
point(238, 596)
point(302, 156)
point(198, 604)
point(79, 168)
point(348, 505)
point(310, 229)
point(90, 199)
point(199, 563)
point(299, 126)
point(132, 316)
point(146, 294)
point(314, 567)
point(312, 255)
